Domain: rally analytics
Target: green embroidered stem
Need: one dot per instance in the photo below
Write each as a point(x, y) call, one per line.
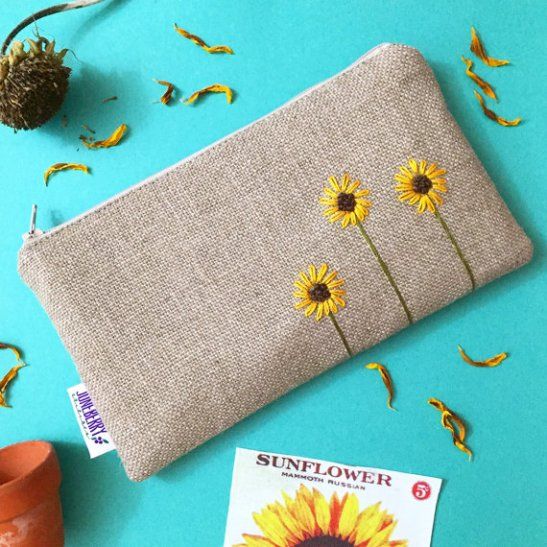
point(341, 334)
point(386, 271)
point(456, 248)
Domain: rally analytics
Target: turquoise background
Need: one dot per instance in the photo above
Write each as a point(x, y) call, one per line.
point(283, 47)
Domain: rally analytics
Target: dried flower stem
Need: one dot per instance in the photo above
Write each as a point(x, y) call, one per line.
point(456, 248)
point(44, 13)
point(386, 271)
point(341, 334)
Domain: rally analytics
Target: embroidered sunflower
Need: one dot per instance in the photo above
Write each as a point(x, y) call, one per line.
point(345, 201)
point(309, 520)
point(419, 183)
point(319, 293)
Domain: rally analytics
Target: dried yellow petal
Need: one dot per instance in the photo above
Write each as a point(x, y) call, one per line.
point(5, 382)
point(386, 378)
point(492, 115)
point(11, 348)
point(215, 88)
point(167, 96)
point(113, 140)
point(490, 362)
point(12, 373)
point(199, 42)
point(108, 99)
point(63, 167)
point(478, 49)
point(485, 86)
point(458, 442)
point(451, 421)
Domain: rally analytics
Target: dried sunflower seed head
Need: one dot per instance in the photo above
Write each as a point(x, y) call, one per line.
point(33, 83)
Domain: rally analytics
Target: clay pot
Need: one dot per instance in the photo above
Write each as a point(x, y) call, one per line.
point(30, 507)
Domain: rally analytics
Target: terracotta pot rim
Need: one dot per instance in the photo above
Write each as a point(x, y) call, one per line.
point(47, 454)
point(32, 484)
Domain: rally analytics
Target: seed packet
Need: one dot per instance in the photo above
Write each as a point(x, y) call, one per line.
point(292, 501)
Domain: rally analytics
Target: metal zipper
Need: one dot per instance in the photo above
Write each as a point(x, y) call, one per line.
point(34, 233)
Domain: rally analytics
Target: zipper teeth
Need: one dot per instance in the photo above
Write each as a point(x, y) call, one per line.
point(41, 234)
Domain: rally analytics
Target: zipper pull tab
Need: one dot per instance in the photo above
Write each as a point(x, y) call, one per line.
point(32, 231)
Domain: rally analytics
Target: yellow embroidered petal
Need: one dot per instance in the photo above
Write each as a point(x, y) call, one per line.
point(413, 166)
point(490, 362)
point(113, 140)
point(334, 183)
point(346, 220)
point(492, 115)
point(215, 88)
point(435, 197)
point(484, 85)
point(310, 309)
point(344, 183)
point(304, 278)
point(199, 42)
point(386, 378)
point(353, 186)
point(167, 96)
point(478, 49)
point(63, 167)
point(321, 274)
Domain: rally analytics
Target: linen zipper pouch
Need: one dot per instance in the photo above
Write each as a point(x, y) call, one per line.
point(207, 291)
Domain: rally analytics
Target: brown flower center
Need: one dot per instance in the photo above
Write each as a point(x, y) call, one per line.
point(346, 202)
point(325, 541)
point(421, 184)
point(319, 292)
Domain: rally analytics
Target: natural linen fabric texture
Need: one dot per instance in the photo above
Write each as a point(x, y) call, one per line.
point(175, 298)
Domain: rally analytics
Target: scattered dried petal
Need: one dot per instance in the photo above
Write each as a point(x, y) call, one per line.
point(451, 421)
point(199, 42)
point(485, 86)
point(493, 116)
point(478, 49)
point(113, 140)
point(16, 351)
point(215, 88)
point(63, 167)
point(87, 128)
point(108, 99)
point(490, 362)
point(12, 373)
point(166, 97)
point(5, 382)
point(386, 378)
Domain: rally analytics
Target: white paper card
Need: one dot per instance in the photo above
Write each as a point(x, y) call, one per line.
point(305, 502)
point(96, 437)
